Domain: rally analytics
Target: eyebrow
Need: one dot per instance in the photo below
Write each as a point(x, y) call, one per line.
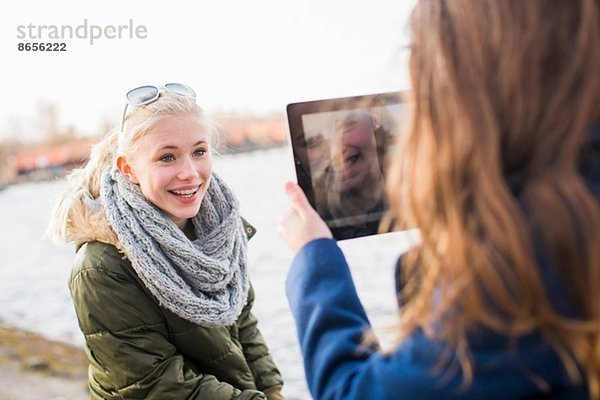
point(173, 147)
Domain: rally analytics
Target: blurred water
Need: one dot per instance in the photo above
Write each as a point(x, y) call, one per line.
point(34, 272)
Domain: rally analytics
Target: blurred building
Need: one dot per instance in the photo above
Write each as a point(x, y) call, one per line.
point(49, 162)
point(245, 134)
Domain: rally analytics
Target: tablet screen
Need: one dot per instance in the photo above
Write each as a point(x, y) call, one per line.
point(341, 149)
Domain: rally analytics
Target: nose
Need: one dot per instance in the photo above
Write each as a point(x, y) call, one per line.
point(337, 157)
point(187, 170)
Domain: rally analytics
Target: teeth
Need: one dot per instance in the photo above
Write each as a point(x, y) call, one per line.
point(187, 193)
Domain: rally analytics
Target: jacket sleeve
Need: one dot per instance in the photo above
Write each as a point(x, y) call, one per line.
point(331, 323)
point(127, 341)
point(264, 370)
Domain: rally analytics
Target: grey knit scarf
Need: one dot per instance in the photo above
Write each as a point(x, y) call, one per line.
point(204, 281)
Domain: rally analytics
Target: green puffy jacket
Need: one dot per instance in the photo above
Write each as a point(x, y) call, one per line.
point(138, 350)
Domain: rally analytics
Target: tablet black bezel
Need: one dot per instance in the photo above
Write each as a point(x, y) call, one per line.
point(295, 111)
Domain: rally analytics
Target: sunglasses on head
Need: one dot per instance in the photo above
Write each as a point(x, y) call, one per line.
point(143, 95)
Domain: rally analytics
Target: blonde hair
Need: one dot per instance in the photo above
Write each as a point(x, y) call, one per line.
point(77, 216)
point(503, 94)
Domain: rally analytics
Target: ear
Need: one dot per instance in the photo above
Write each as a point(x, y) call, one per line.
point(126, 170)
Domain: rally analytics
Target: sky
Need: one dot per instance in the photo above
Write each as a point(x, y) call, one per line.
point(238, 55)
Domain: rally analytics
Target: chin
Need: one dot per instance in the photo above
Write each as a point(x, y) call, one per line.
point(186, 213)
point(191, 214)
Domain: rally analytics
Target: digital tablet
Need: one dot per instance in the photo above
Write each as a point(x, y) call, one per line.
point(341, 153)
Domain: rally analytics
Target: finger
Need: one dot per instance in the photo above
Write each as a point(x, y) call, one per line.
point(287, 215)
point(286, 220)
point(297, 197)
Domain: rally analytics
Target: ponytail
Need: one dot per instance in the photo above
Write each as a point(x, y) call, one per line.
point(77, 216)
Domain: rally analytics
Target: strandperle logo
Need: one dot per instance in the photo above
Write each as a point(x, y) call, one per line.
point(87, 31)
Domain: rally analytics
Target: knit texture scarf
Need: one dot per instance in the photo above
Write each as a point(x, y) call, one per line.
point(204, 281)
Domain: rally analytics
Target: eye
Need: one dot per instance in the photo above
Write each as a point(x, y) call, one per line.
point(199, 152)
point(353, 159)
point(300, 140)
point(167, 158)
point(314, 141)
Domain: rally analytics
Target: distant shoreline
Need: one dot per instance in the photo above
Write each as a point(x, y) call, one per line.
point(32, 366)
point(39, 353)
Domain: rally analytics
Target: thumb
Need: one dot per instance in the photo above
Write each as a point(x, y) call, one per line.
point(299, 201)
